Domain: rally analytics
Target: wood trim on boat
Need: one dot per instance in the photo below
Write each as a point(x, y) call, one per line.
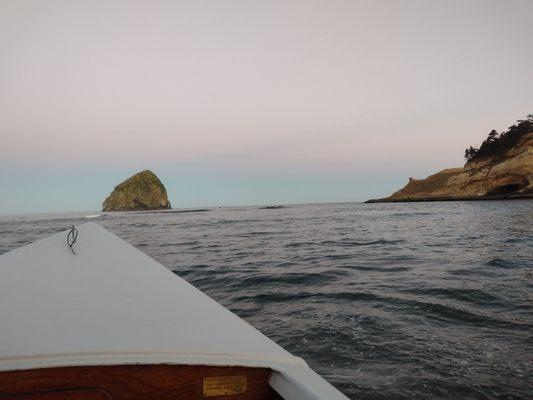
point(84, 394)
point(138, 382)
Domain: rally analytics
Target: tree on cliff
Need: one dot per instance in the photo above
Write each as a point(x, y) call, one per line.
point(470, 152)
point(495, 145)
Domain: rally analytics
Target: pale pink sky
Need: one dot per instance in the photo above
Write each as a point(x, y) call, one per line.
point(259, 84)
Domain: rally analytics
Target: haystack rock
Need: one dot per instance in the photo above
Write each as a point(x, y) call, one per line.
point(509, 176)
point(143, 191)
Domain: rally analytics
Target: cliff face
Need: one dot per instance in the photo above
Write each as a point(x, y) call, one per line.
point(143, 191)
point(507, 176)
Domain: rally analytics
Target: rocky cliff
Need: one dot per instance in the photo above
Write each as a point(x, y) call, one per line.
point(507, 175)
point(143, 191)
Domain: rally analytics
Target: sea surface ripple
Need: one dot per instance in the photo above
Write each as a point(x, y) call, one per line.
point(386, 301)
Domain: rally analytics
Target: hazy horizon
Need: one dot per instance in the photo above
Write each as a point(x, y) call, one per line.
point(242, 103)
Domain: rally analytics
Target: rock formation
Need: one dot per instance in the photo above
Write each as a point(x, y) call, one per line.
point(509, 175)
point(143, 191)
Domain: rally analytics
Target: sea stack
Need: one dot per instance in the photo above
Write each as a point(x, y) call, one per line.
point(142, 191)
point(502, 168)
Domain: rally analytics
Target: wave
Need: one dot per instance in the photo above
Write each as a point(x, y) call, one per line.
point(90, 216)
point(355, 243)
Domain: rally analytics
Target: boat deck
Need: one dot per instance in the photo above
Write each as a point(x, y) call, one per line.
point(103, 319)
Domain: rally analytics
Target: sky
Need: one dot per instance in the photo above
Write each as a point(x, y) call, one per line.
point(250, 102)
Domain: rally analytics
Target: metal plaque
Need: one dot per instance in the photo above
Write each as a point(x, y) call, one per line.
point(224, 385)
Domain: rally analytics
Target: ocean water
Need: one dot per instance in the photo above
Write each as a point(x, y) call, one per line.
point(386, 301)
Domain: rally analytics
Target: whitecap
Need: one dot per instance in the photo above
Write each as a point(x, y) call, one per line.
point(93, 216)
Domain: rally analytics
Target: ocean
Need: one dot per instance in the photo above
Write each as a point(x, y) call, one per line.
point(386, 301)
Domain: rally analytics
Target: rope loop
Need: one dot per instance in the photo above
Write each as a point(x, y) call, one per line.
point(72, 237)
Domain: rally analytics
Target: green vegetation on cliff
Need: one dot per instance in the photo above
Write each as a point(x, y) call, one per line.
point(143, 191)
point(497, 144)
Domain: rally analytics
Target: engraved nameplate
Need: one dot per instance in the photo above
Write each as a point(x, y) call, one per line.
point(224, 385)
